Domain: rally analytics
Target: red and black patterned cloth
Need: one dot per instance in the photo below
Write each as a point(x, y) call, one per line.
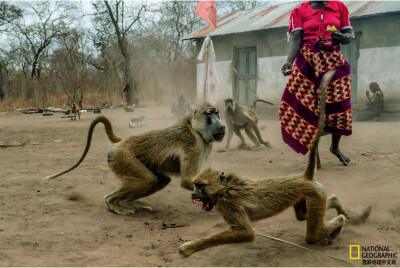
point(299, 108)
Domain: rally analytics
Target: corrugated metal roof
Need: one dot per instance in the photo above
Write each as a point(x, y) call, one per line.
point(278, 16)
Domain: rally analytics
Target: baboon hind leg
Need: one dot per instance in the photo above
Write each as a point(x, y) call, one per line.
point(353, 218)
point(317, 229)
point(260, 139)
point(138, 182)
point(334, 202)
point(249, 132)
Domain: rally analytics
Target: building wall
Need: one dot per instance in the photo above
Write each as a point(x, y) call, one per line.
point(272, 48)
point(379, 54)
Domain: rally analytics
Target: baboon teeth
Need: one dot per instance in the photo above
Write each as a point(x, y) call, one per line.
point(195, 200)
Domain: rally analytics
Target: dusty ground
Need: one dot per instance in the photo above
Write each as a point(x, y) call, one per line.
point(41, 226)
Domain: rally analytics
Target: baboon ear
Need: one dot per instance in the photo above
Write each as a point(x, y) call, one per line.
point(223, 179)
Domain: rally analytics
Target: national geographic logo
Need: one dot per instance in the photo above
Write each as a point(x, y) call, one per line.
point(373, 255)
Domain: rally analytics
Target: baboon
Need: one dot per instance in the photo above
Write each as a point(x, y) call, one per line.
point(240, 200)
point(143, 162)
point(75, 111)
point(239, 117)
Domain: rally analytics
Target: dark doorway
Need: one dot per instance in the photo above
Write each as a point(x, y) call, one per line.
point(245, 83)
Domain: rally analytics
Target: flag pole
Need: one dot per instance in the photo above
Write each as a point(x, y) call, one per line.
point(205, 86)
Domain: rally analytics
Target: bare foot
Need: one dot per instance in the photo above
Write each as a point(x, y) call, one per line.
point(342, 158)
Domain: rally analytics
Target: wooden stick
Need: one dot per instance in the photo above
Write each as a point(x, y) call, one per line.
point(6, 144)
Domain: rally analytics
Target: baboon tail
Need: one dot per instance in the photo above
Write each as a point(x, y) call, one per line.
point(310, 170)
point(110, 133)
point(259, 100)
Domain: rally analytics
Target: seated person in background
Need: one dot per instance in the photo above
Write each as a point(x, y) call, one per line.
point(374, 104)
point(180, 107)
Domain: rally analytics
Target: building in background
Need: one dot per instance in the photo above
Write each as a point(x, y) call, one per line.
point(254, 43)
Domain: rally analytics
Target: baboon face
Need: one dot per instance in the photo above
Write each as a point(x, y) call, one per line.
point(229, 105)
point(73, 105)
point(207, 185)
point(207, 123)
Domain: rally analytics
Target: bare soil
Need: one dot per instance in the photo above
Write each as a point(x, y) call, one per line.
point(65, 222)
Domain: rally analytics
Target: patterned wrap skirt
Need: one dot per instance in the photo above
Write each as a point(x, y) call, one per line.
point(300, 105)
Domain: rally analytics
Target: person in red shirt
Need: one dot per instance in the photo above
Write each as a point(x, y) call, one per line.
point(313, 50)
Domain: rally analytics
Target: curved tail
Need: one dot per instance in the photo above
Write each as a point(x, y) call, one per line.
point(110, 133)
point(257, 99)
point(310, 170)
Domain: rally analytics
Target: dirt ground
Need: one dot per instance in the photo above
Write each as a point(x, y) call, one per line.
point(65, 222)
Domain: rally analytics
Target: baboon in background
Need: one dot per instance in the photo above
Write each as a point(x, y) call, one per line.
point(240, 200)
point(76, 110)
point(143, 161)
point(239, 117)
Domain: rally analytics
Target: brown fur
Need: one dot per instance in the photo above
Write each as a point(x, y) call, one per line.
point(240, 117)
point(240, 200)
point(143, 161)
point(75, 111)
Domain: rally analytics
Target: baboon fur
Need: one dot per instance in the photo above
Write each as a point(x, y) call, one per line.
point(240, 200)
point(238, 117)
point(75, 111)
point(143, 162)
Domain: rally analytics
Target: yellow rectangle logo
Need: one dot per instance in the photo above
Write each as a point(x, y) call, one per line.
point(354, 252)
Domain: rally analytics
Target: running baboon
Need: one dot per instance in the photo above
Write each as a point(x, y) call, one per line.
point(239, 117)
point(75, 111)
point(143, 161)
point(240, 200)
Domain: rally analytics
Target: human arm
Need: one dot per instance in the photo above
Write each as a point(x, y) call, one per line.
point(295, 40)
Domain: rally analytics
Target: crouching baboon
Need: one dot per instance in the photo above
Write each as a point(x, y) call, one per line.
point(75, 111)
point(143, 161)
point(240, 117)
point(240, 200)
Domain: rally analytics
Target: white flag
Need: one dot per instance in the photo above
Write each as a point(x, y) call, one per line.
point(212, 78)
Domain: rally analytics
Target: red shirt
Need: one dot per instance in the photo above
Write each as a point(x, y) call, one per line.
point(314, 22)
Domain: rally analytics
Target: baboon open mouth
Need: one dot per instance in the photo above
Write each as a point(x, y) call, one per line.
point(207, 205)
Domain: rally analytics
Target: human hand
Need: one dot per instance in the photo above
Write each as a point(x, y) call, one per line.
point(367, 93)
point(339, 37)
point(287, 68)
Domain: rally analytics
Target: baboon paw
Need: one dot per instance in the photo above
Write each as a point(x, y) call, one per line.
point(267, 144)
point(326, 242)
point(244, 146)
point(185, 249)
point(148, 208)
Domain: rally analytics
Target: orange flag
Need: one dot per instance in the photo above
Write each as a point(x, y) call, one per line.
point(207, 11)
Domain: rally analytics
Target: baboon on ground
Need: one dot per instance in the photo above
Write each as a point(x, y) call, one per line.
point(240, 200)
point(76, 110)
point(143, 162)
point(240, 117)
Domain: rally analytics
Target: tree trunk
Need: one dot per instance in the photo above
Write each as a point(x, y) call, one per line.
point(129, 79)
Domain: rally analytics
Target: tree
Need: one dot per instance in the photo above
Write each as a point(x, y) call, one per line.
point(47, 21)
point(69, 64)
point(122, 16)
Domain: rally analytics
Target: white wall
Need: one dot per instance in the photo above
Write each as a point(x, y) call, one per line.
point(381, 65)
point(270, 80)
